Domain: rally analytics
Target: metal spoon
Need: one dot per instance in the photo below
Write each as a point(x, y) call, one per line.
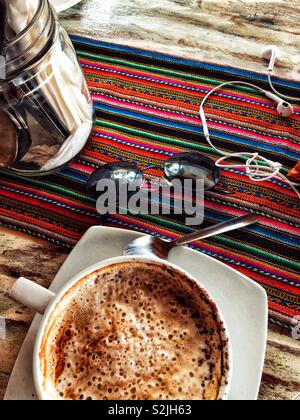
point(151, 246)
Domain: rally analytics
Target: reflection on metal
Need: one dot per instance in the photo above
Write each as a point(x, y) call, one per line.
point(2, 67)
point(2, 329)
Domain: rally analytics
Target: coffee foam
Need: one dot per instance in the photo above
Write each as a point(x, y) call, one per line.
point(134, 331)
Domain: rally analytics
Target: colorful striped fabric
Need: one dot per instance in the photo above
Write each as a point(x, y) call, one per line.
point(147, 109)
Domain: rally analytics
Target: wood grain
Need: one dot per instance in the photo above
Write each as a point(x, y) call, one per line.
point(229, 32)
point(232, 32)
point(21, 255)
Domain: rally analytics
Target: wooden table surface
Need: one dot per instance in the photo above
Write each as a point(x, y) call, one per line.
point(230, 32)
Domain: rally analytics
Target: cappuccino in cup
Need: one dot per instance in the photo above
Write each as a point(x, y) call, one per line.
point(134, 330)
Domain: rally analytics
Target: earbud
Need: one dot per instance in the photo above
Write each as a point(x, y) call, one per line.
point(284, 108)
point(271, 53)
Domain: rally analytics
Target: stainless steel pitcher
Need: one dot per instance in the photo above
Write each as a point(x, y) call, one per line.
point(46, 112)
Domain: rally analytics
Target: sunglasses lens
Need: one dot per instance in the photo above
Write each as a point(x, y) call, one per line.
point(193, 166)
point(119, 173)
point(8, 144)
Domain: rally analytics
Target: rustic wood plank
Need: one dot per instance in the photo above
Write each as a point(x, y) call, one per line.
point(232, 32)
point(21, 255)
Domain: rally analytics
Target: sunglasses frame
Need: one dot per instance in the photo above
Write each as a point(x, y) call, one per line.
point(111, 167)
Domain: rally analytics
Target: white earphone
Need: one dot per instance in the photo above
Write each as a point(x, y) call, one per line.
point(284, 108)
point(271, 54)
point(257, 167)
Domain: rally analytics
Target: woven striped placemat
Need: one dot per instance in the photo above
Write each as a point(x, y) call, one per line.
point(147, 109)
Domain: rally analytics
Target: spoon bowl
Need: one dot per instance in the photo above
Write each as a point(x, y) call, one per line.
point(152, 246)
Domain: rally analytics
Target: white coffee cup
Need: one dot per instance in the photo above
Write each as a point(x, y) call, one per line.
point(49, 305)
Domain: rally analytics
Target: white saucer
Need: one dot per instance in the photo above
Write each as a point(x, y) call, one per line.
point(61, 5)
point(242, 302)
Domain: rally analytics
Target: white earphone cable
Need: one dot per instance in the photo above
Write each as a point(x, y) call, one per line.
point(297, 397)
point(257, 167)
point(289, 98)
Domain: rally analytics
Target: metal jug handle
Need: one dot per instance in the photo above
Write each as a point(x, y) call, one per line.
point(17, 133)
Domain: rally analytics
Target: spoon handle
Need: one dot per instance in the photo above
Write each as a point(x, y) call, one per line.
point(228, 226)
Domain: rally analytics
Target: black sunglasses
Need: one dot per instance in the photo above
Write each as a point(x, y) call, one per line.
point(182, 166)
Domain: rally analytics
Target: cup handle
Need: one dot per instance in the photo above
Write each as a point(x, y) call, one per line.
point(31, 295)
